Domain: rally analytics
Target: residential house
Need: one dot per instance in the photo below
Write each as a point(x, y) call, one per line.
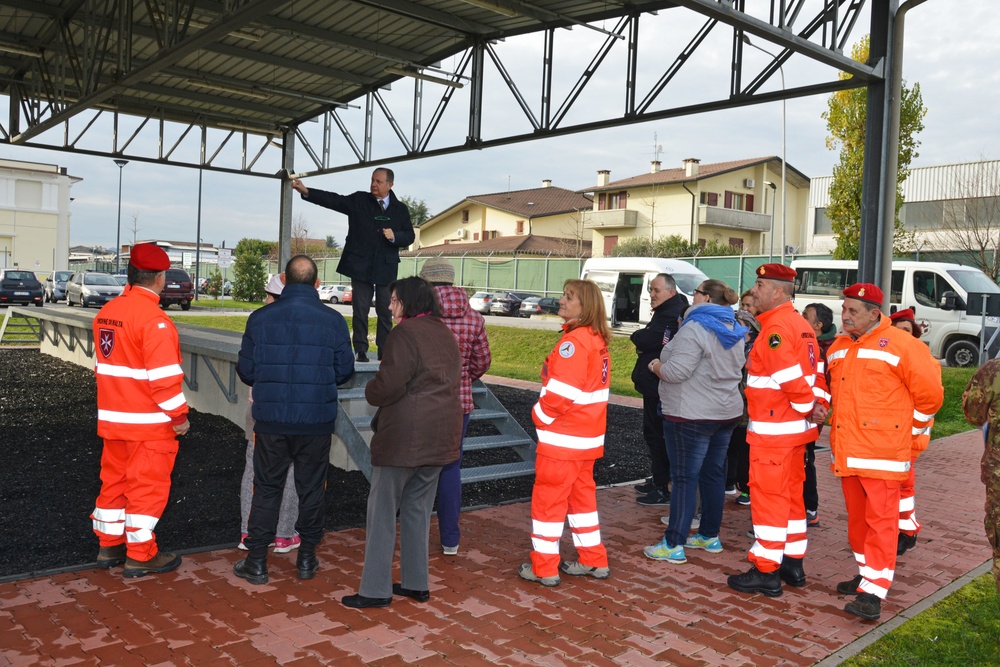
point(734, 203)
point(542, 221)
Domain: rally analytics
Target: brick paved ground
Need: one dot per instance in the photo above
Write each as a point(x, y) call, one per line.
point(480, 613)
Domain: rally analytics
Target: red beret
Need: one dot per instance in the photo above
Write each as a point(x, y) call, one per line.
point(149, 257)
point(906, 315)
point(865, 292)
point(776, 272)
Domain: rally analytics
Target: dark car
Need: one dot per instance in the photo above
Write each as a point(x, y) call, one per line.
point(55, 286)
point(539, 305)
point(17, 286)
point(89, 288)
point(178, 289)
point(508, 303)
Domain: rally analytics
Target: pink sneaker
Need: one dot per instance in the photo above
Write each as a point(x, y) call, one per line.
point(283, 545)
point(243, 537)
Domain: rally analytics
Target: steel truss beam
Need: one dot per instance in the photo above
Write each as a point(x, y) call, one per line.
point(92, 98)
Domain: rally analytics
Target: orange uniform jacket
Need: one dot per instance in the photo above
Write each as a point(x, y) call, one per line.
point(138, 366)
point(571, 414)
point(782, 380)
point(886, 388)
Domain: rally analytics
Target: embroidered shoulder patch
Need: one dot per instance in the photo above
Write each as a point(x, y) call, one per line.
point(567, 349)
point(774, 340)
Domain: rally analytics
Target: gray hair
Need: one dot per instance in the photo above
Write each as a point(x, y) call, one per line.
point(668, 280)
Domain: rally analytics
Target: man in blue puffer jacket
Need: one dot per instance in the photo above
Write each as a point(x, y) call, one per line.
point(295, 352)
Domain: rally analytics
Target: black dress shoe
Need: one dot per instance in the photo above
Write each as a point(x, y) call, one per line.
point(645, 487)
point(254, 571)
point(866, 605)
point(361, 357)
point(419, 596)
point(307, 564)
point(791, 571)
point(849, 587)
point(361, 602)
point(755, 581)
point(656, 498)
point(904, 543)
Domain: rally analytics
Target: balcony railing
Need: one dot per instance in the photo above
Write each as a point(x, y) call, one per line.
point(618, 218)
point(714, 216)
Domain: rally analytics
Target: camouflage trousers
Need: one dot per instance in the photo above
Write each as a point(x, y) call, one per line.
point(992, 524)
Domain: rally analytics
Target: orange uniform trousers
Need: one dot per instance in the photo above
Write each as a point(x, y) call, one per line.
point(907, 503)
point(135, 485)
point(777, 507)
point(872, 530)
point(564, 490)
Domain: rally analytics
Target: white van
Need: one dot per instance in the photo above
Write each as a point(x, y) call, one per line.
point(624, 282)
point(935, 290)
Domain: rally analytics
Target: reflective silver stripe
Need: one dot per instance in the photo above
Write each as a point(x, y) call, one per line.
point(839, 354)
point(569, 441)
point(922, 431)
point(780, 428)
point(546, 528)
point(802, 407)
point(175, 402)
point(907, 524)
point(761, 551)
point(882, 355)
point(138, 535)
point(796, 526)
point(115, 514)
point(132, 417)
point(819, 393)
point(859, 558)
point(810, 379)
point(770, 533)
point(762, 382)
point(141, 521)
point(873, 588)
point(110, 527)
point(820, 367)
point(884, 465)
point(787, 374)
point(578, 396)
point(589, 539)
point(165, 372)
point(796, 548)
point(906, 504)
point(121, 371)
point(921, 417)
point(542, 417)
point(545, 546)
point(585, 520)
point(870, 573)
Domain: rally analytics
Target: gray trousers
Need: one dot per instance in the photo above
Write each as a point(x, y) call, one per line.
point(410, 491)
point(288, 513)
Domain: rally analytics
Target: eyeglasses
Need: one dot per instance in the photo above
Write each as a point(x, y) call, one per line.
point(698, 291)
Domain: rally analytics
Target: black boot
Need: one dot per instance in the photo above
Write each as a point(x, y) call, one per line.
point(791, 571)
point(849, 587)
point(755, 581)
point(904, 543)
point(254, 567)
point(307, 563)
point(866, 606)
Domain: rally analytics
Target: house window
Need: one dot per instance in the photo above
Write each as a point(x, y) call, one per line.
point(609, 245)
point(822, 224)
point(710, 198)
point(734, 200)
point(490, 234)
point(736, 242)
point(602, 202)
point(475, 237)
point(465, 215)
point(617, 200)
point(519, 227)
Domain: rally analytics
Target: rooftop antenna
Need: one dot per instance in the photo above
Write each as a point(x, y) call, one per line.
point(657, 148)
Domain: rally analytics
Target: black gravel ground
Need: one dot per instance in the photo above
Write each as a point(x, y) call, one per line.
point(50, 466)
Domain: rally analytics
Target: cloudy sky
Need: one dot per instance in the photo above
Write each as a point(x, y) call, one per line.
point(947, 52)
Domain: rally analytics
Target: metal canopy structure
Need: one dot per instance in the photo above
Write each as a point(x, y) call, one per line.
point(236, 85)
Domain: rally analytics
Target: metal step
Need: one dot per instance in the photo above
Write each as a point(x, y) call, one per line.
point(499, 471)
point(19, 328)
point(481, 442)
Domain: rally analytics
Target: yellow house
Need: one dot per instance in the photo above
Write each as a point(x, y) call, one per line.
point(34, 216)
point(544, 218)
point(733, 203)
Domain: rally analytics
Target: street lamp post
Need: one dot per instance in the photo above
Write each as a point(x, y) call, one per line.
point(770, 236)
point(784, 181)
point(118, 239)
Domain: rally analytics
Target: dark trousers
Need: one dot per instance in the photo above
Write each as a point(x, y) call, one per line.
point(652, 431)
point(271, 457)
point(738, 469)
point(810, 493)
point(361, 304)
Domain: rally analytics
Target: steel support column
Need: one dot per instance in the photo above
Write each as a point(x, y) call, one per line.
point(285, 210)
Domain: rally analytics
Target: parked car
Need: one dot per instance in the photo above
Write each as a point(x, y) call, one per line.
point(54, 288)
point(178, 289)
point(91, 288)
point(480, 302)
point(508, 303)
point(336, 293)
point(17, 286)
point(539, 305)
point(121, 280)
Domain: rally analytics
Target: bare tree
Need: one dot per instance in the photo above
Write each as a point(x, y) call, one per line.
point(300, 234)
point(971, 220)
point(134, 228)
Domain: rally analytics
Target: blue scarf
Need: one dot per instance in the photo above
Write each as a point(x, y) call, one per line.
point(715, 319)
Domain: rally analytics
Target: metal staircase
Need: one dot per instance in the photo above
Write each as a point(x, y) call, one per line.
point(354, 419)
point(19, 328)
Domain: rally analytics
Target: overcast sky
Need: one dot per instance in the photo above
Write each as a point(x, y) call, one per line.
point(947, 51)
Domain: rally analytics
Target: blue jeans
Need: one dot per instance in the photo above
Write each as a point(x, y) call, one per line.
point(449, 497)
point(697, 453)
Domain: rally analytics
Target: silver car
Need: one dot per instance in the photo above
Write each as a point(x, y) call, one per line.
point(91, 288)
point(55, 286)
point(481, 302)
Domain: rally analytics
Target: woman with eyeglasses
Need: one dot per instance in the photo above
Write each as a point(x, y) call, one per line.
point(418, 430)
point(699, 373)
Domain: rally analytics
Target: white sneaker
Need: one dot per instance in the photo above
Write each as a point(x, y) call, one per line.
point(450, 551)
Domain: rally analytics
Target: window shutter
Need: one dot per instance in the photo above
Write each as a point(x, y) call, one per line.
point(750, 203)
point(609, 244)
point(475, 237)
point(602, 201)
point(713, 198)
point(623, 199)
point(729, 199)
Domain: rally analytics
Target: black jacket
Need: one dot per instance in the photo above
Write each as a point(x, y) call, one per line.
point(368, 255)
point(648, 342)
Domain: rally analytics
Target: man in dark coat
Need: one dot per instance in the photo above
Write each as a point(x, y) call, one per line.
point(378, 225)
point(295, 352)
point(668, 306)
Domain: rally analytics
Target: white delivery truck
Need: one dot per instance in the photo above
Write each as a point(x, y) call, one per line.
point(624, 282)
point(937, 292)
